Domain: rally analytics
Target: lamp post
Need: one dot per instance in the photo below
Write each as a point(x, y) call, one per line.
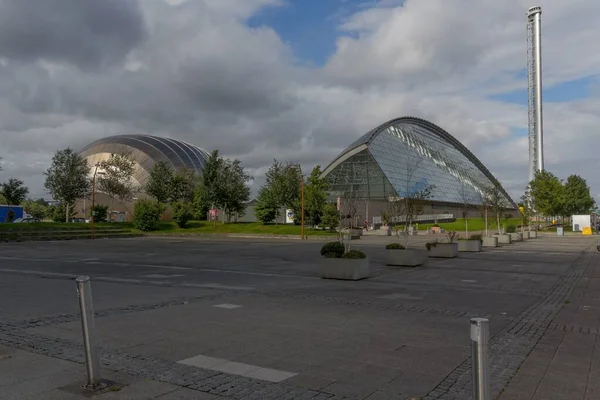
point(302, 190)
point(94, 195)
point(299, 168)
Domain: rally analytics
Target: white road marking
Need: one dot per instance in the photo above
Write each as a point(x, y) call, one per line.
point(235, 368)
point(92, 262)
point(227, 306)
point(395, 296)
point(216, 286)
point(90, 259)
point(469, 281)
point(160, 276)
point(25, 271)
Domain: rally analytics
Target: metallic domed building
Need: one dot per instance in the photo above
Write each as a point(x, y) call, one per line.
point(147, 150)
point(403, 156)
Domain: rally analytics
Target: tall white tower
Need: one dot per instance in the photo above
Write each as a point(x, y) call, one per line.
point(534, 75)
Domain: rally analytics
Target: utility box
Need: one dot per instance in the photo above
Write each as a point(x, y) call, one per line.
point(560, 231)
point(580, 222)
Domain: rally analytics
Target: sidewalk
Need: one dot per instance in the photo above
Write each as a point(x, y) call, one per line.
point(28, 376)
point(565, 363)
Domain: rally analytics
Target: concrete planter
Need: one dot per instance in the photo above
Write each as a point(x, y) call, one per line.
point(533, 235)
point(469, 245)
point(352, 269)
point(490, 241)
point(525, 235)
point(443, 250)
point(504, 239)
point(406, 258)
point(515, 237)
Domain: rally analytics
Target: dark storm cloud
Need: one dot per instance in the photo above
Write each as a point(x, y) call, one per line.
point(86, 33)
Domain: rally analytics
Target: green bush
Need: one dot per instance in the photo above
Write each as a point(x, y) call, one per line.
point(182, 213)
point(395, 246)
point(332, 250)
point(511, 229)
point(476, 236)
point(146, 215)
point(354, 254)
point(435, 226)
point(101, 213)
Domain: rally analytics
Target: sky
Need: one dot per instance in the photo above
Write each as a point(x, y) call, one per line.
point(295, 80)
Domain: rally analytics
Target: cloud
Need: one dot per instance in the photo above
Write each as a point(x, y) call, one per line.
point(87, 34)
point(73, 71)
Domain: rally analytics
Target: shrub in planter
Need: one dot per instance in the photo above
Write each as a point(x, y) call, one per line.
point(442, 250)
point(395, 246)
point(354, 254)
point(338, 264)
point(511, 229)
point(146, 215)
point(406, 257)
point(476, 236)
point(332, 250)
point(435, 226)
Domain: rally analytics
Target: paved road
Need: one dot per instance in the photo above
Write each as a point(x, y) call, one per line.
point(259, 308)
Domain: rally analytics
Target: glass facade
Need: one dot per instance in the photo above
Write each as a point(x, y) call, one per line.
point(404, 156)
point(146, 151)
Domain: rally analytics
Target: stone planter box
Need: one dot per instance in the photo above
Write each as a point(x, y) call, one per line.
point(525, 235)
point(532, 234)
point(504, 239)
point(443, 250)
point(515, 237)
point(490, 241)
point(406, 258)
point(352, 269)
point(469, 245)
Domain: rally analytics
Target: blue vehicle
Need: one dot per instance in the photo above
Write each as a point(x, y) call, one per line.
point(10, 213)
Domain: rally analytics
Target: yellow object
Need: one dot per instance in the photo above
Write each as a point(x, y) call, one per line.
point(587, 230)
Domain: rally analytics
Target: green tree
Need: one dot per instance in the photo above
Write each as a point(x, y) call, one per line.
point(182, 213)
point(14, 193)
point(117, 180)
point(99, 213)
point(61, 212)
point(283, 181)
point(67, 178)
point(182, 186)
point(265, 209)
point(577, 196)
point(315, 197)
point(331, 216)
point(160, 182)
point(548, 194)
point(235, 192)
point(35, 209)
point(146, 215)
point(211, 179)
point(200, 204)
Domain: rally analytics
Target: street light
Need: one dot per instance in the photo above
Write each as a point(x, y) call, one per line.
point(299, 168)
point(96, 172)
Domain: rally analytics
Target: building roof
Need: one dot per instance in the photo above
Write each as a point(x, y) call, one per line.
point(411, 152)
point(147, 150)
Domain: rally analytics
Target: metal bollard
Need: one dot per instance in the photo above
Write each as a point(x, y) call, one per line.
point(92, 363)
point(480, 337)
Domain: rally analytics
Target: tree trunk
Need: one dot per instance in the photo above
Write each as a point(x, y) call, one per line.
point(67, 211)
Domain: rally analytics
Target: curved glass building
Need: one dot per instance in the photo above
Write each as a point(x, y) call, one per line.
point(406, 155)
point(147, 150)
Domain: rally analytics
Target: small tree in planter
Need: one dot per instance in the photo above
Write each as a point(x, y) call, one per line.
point(408, 208)
point(470, 243)
point(447, 249)
point(340, 263)
point(496, 203)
